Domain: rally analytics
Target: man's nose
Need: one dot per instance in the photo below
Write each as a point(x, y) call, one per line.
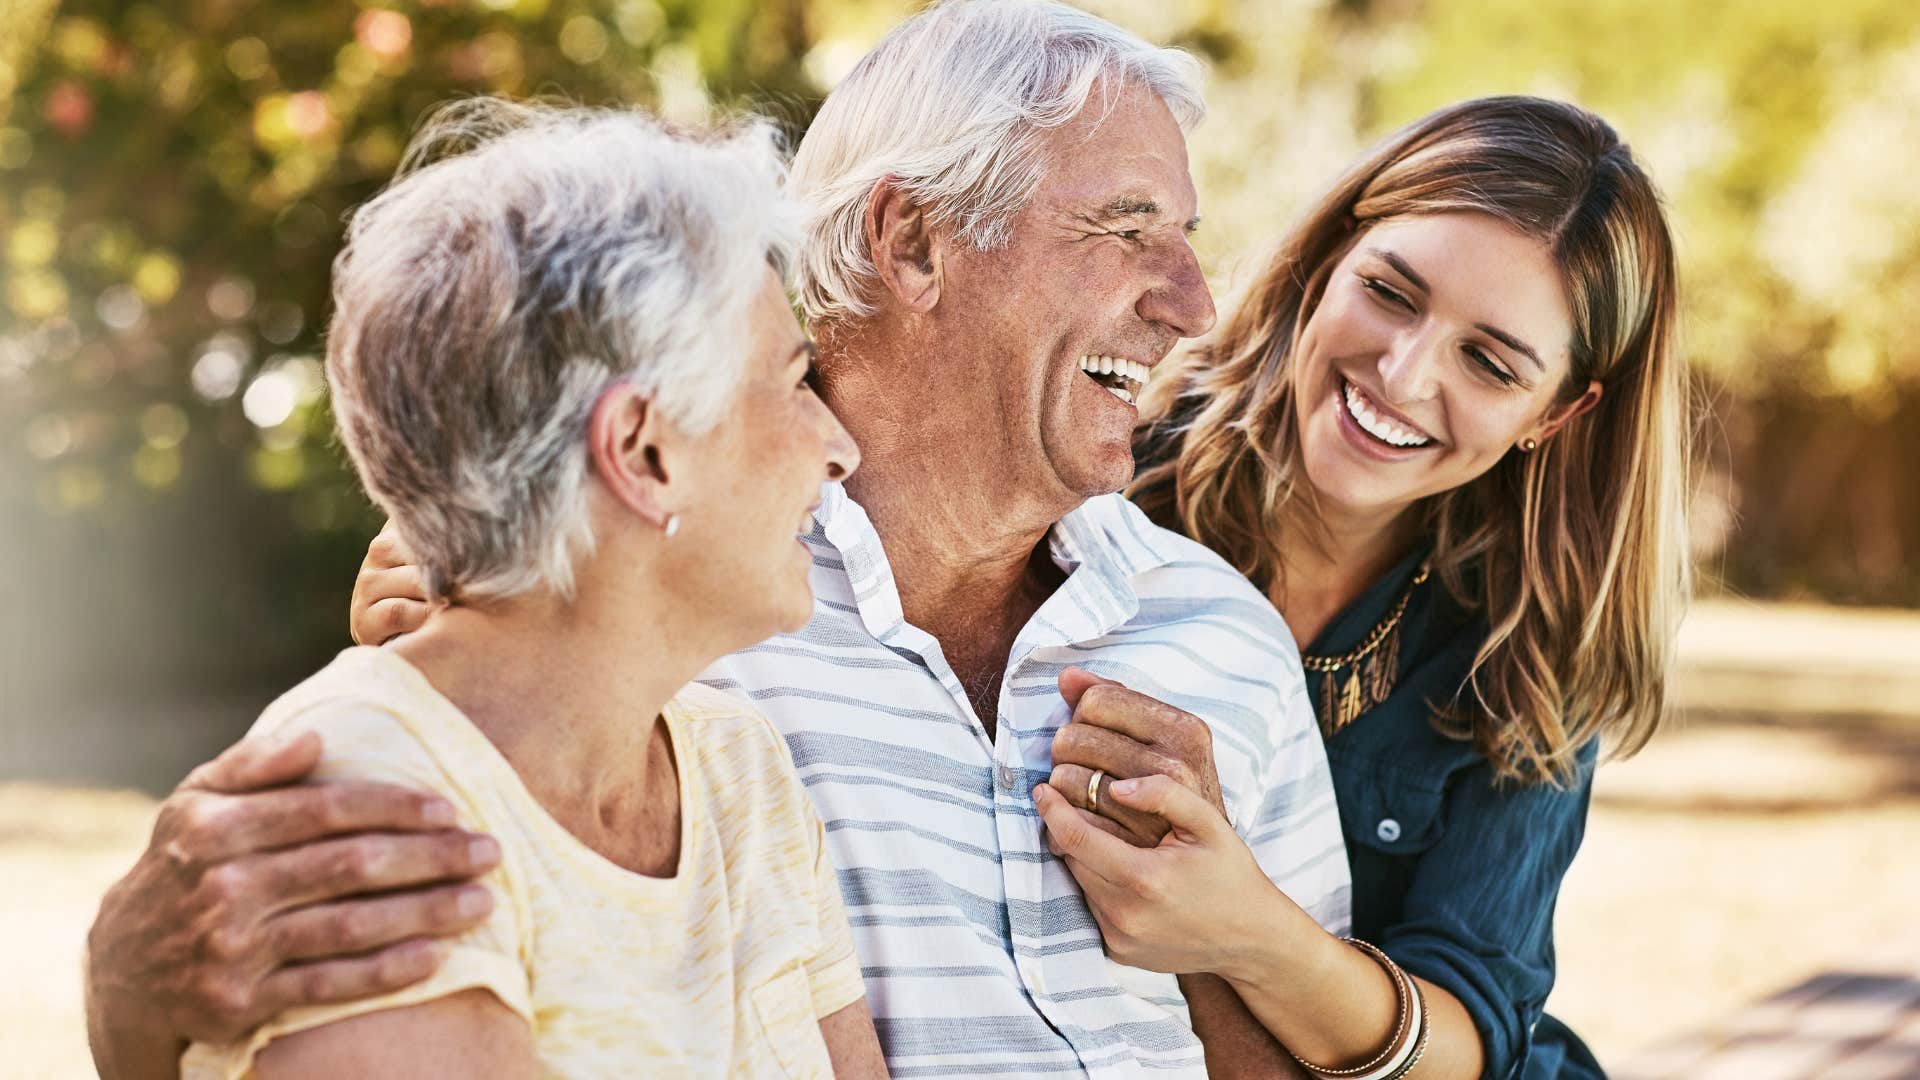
point(1180, 301)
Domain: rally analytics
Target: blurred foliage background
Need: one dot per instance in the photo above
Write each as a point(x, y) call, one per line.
point(175, 517)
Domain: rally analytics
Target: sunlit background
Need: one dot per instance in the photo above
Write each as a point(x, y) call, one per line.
point(178, 532)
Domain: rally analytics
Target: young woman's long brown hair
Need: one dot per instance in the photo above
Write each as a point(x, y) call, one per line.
point(1576, 552)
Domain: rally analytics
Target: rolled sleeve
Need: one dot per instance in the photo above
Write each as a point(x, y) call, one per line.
point(1477, 919)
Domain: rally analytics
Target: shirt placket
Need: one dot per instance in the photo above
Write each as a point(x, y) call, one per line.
point(1082, 609)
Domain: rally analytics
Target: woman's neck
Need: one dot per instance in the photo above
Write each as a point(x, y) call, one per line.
point(1329, 558)
point(570, 693)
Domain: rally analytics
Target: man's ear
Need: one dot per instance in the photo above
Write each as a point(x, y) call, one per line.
point(1558, 416)
point(907, 254)
point(634, 450)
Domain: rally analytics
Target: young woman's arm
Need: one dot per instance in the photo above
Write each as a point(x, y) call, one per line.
point(1200, 902)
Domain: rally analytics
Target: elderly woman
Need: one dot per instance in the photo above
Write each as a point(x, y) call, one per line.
point(563, 363)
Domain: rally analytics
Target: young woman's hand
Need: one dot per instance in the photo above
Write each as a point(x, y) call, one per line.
point(1183, 905)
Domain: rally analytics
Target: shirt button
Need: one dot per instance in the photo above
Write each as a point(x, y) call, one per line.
point(1388, 830)
point(1009, 778)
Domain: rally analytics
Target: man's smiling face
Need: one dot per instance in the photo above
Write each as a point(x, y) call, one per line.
point(1049, 332)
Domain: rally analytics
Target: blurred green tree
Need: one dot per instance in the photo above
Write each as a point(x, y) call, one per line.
point(174, 175)
point(173, 182)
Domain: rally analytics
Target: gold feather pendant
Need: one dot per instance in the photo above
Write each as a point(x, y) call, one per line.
point(1350, 705)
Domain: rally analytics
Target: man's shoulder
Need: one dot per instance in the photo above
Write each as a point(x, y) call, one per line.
point(1181, 582)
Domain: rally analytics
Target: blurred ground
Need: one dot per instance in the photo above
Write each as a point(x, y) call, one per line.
point(1756, 844)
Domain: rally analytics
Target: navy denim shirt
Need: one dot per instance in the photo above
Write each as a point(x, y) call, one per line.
point(1454, 876)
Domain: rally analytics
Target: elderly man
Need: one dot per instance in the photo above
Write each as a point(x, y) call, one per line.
point(999, 257)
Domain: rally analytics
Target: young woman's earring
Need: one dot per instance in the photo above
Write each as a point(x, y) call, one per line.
point(1527, 446)
point(672, 526)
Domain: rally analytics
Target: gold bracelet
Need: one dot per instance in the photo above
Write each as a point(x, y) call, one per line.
point(1403, 988)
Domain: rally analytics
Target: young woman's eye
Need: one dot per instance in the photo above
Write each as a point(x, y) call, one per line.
point(810, 380)
point(1493, 367)
point(1386, 293)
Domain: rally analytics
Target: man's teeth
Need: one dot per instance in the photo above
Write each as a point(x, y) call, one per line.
point(1122, 378)
point(1384, 428)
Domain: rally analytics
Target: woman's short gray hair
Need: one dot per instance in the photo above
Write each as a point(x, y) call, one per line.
point(954, 105)
point(527, 258)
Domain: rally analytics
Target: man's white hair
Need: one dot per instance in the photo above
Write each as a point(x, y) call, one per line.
point(954, 105)
point(526, 259)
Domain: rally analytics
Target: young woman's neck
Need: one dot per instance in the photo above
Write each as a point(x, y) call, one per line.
point(1330, 555)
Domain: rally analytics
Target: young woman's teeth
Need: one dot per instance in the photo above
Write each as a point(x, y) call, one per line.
point(1123, 378)
point(1384, 428)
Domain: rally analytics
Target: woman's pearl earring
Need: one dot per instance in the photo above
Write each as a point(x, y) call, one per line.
point(1527, 446)
point(672, 526)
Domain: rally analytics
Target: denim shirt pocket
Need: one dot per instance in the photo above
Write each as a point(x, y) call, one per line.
point(1387, 811)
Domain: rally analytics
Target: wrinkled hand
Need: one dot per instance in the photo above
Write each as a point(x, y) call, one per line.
point(1179, 906)
point(1128, 734)
point(389, 595)
point(250, 900)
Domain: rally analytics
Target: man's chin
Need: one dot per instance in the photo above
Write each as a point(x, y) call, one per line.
point(1101, 474)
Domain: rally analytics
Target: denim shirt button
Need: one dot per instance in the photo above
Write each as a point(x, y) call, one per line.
point(1388, 830)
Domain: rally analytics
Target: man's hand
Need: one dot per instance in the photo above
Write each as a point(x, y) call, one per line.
point(389, 596)
point(252, 898)
point(1126, 735)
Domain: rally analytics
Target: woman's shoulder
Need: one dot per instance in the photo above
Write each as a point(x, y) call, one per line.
point(743, 783)
point(379, 718)
point(728, 724)
point(733, 742)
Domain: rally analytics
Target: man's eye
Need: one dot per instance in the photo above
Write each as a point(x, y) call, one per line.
point(1132, 236)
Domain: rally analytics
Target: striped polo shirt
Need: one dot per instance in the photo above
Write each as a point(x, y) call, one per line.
point(979, 954)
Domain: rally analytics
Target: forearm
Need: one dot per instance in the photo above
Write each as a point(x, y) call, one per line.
point(1335, 1006)
point(129, 1051)
point(1237, 1044)
point(128, 1041)
point(129, 1054)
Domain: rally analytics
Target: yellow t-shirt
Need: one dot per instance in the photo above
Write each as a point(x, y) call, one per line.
point(725, 969)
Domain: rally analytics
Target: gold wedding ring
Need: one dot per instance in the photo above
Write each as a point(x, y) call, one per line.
point(1093, 789)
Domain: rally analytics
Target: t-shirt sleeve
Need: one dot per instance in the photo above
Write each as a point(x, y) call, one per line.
point(833, 971)
point(1294, 831)
point(366, 742)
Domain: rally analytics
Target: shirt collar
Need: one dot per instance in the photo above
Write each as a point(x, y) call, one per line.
point(1102, 545)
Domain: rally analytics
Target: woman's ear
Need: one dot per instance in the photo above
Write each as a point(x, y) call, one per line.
point(1558, 416)
point(907, 255)
point(633, 450)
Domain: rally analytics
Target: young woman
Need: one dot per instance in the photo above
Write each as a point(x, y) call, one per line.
point(563, 362)
point(1446, 432)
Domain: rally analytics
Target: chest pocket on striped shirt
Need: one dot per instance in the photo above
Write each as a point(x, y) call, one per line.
point(784, 1006)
